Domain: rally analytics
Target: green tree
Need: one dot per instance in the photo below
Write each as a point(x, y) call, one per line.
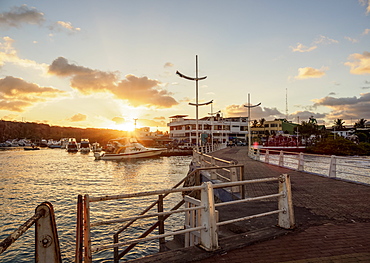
point(306, 129)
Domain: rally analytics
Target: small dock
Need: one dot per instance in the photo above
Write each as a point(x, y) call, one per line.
point(332, 221)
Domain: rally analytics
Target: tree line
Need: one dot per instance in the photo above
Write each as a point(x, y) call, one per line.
point(37, 131)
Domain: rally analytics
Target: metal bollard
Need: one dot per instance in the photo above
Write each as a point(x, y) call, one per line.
point(46, 237)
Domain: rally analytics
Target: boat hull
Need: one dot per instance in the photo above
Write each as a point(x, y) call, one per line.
point(122, 156)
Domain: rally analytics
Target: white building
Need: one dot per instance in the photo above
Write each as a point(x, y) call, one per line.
point(215, 128)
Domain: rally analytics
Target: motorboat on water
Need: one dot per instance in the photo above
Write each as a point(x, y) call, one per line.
point(33, 148)
point(85, 146)
point(126, 148)
point(95, 147)
point(72, 145)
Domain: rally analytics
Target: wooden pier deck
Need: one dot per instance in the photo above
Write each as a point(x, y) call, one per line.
point(332, 222)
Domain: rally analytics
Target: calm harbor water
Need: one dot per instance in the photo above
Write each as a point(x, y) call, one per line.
point(28, 178)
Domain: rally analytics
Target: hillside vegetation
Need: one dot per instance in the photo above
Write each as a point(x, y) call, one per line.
point(38, 131)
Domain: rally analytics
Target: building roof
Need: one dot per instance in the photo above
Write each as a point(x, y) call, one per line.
point(178, 116)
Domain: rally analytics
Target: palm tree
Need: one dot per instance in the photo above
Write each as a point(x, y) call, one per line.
point(360, 123)
point(338, 124)
point(255, 124)
point(262, 122)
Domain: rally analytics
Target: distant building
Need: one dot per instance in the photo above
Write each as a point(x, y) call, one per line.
point(215, 128)
point(222, 130)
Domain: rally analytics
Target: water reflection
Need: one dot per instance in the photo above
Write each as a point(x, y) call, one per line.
point(28, 178)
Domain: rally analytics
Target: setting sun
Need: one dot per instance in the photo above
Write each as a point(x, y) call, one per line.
point(126, 126)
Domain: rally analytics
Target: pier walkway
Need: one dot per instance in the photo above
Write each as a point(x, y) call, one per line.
point(332, 221)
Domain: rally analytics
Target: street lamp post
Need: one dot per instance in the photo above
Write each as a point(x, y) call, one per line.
point(196, 104)
point(249, 106)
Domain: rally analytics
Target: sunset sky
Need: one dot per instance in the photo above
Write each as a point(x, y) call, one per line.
point(102, 64)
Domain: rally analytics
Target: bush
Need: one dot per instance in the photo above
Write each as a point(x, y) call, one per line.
point(339, 146)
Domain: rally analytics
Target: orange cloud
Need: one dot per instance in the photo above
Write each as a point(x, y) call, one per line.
point(302, 48)
point(78, 117)
point(308, 72)
point(118, 120)
point(360, 64)
point(138, 91)
point(17, 94)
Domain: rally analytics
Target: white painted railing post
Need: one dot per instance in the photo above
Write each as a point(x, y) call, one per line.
point(281, 159)
point(208, 236)
point(300, 162)
point(286, 218)
point(258, 154)
point(267, 157)
point(234, 178)
point(333, 167)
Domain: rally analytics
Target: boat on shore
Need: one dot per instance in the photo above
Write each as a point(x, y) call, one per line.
point(127, 148)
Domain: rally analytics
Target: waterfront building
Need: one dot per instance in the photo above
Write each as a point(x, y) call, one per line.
point(222, 130)
point(213, 128)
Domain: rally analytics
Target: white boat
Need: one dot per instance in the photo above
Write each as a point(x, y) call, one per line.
point(95, 147)
point(127, 148)
point(85, 146)
point(72, 145)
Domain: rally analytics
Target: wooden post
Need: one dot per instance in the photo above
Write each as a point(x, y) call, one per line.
point(300, 162)
point(333, 167)
point(281, 159)
point(234, 178)
point(213, 171)
point(208, 236)
point(267, 156)
point(286, 218)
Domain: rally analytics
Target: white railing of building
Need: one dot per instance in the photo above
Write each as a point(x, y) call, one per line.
point(355, 169)
point(206, 222)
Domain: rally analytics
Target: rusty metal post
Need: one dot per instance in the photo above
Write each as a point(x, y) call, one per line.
point(162, 241)
point(242, 187)
point(115, 250)
point(87, 236)
point(79, 230)
point(286, 217)
point(46, 236)
point(9, 240)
